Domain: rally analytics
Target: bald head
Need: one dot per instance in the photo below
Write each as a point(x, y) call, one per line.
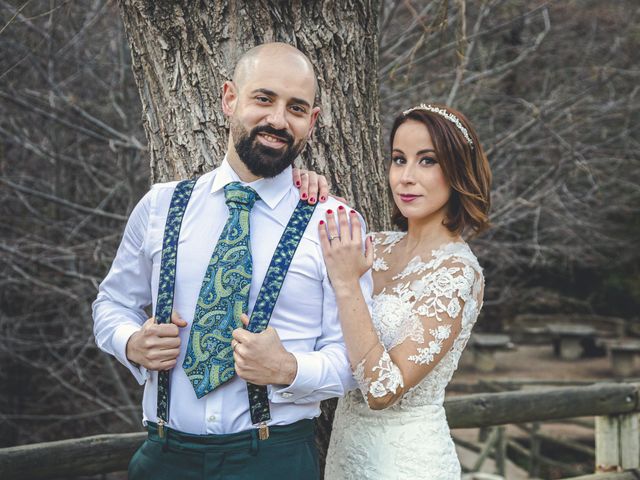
point(284, 55)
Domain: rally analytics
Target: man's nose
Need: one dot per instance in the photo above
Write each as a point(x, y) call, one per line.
point(277, 117)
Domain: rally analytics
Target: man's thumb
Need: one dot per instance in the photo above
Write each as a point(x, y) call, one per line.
point(176, 319)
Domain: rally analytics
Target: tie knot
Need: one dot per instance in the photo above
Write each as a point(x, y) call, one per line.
point(240, 196)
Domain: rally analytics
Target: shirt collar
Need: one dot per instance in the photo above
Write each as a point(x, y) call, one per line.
point(271, 190)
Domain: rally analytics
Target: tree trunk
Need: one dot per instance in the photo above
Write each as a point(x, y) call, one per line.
point(182, 55)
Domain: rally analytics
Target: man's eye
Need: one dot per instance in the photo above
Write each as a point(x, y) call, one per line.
point(298, 109)
point(262, 99)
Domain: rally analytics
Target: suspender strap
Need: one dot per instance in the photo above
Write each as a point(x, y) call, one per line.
point(166, 285)
point(266, 302)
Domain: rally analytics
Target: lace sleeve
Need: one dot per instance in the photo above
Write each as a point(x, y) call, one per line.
point(418, 326)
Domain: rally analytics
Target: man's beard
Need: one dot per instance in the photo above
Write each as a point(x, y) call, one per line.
point(261, 160)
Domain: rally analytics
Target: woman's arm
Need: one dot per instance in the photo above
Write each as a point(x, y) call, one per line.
point(432, 312)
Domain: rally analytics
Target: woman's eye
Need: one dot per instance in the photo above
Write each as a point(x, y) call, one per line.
point(397, 160)
point(427, 161)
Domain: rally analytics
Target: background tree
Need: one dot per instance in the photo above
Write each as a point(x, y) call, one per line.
point(182, 56)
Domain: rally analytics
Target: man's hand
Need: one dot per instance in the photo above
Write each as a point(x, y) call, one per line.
point(260, 358)
point(156, 347)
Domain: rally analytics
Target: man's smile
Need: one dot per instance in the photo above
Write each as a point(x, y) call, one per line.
point(271, 140)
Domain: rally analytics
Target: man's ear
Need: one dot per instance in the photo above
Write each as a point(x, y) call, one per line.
point(229, 98)
point(314, 117)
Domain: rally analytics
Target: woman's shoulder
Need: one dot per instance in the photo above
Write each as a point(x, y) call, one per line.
point(448, 261)
point(456, 253)
point(457, 262)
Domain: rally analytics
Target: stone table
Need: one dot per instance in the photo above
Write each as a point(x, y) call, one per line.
point(568, 339)
point(484, 346)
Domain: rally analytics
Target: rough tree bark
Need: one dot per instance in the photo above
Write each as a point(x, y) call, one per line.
point(183, 51)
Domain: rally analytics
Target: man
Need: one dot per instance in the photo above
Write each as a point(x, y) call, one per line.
point(300, 356)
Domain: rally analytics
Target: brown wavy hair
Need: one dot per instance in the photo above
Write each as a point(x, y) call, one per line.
point(465, 168)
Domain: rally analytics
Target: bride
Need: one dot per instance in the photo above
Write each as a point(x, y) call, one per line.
point(428, 292)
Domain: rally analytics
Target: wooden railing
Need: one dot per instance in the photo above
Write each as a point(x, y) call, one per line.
point(615, 406)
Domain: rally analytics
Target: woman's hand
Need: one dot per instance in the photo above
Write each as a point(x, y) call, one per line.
point(312, 186)
point(342, 249)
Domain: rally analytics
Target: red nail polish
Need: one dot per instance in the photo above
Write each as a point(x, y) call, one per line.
point(298, 183)
point(330, 212)
point(353, 211)
point(322, 198)
point(340, 207)
point(312, 200)
point(321, 222)
point(304, 195)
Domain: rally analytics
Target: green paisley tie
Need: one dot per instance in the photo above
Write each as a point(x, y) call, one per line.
point(224, 296)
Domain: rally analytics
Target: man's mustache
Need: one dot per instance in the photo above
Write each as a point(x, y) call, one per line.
point(282, 134)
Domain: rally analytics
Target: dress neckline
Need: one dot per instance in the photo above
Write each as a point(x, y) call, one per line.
point(393, 237)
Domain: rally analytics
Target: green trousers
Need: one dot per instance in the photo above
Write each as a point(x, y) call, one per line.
point(288, 453)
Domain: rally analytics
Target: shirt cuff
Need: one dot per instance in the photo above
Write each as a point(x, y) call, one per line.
point(307, 377)
point(120, 338)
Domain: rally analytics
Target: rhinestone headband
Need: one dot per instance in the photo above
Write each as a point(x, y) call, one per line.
point(443, 113)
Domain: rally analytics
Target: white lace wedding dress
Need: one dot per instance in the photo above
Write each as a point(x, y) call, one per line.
point(428, 311)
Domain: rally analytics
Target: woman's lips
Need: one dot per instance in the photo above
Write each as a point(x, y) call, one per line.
point(408, 198)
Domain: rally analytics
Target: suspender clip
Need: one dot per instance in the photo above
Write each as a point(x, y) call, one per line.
point(263, 431)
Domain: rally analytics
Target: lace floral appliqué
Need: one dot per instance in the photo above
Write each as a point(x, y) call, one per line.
point(389, 377)
point(388, 240)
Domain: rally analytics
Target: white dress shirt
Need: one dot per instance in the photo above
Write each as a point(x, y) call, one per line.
point(305, 315)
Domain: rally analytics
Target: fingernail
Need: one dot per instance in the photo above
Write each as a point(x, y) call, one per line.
point(321, 222)
point(312, 200)
point(304, 195)
point(329, 212)
point(298, 184)
point(340, 207)
point(353, 211)
point(322, 198)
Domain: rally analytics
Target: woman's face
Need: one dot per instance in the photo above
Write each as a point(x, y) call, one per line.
point(419, 187)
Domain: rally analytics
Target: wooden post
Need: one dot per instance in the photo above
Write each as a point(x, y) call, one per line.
point(486, 450)
point(501, 451)
point(607, 453)
point(534, 462)
point(629, 441)
point(617, 442)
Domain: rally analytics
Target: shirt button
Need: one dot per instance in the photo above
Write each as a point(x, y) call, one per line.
point(287, 394)
point(212, 418)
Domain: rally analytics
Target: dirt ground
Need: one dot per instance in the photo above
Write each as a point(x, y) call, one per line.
point(536, 362)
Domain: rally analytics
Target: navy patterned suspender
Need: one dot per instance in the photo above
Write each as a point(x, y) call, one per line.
point(166, 284)
point(265, 303)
